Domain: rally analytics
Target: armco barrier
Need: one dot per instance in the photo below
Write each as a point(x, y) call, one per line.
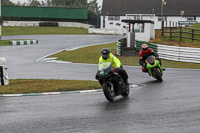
point(121, 44)
point(106, 31)
point(36, 23)
point(25, 42)
point(119, 48)
point(183, 54)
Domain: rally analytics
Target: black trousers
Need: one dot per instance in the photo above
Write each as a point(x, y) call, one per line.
point(123, 74)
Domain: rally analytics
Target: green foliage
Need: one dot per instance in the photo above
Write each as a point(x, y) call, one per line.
point(49, 4)
point(93, 7)
point(7, 3)
point(34, 3)
point(70, 3)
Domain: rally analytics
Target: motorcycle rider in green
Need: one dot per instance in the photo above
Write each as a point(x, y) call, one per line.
point(106, 56)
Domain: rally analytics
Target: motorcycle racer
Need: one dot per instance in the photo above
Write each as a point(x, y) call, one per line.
point(144, 53)
point(106, 56)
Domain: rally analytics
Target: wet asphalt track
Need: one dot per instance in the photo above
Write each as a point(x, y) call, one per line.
point(169, 107)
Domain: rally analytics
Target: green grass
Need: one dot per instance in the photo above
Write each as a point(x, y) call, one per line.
point(91, 55)
point(5, 43)
point(197, 26)
point(83, 55)
point(19, 86)
point(13, 30)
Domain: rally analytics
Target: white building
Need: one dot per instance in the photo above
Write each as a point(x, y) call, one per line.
point(174, 11)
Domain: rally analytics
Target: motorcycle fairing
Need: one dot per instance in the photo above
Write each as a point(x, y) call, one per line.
point(106, 73)
point(152, 64)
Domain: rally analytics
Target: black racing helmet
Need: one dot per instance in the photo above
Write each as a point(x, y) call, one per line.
point(105, 52)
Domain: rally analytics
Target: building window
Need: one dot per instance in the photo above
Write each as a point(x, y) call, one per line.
point(190, 19)
point(139, 28)
point(118, 24)
point(137, 18)
point(113, 17)
point(160, 18)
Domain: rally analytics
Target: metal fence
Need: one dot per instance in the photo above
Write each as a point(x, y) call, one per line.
point(183, 54)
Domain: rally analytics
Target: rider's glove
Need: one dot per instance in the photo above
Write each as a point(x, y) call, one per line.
point(117, 69)
point(157, 58)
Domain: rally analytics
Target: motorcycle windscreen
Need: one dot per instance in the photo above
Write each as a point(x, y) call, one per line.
point(105, 70)
point(105, 65)
point(151, 60)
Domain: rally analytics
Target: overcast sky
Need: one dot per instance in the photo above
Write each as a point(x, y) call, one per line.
point(26, 1)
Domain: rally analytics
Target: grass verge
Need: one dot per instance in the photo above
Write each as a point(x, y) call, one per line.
point(91, 55)
point(19, 86)
point(13, 30)
point(5, 43)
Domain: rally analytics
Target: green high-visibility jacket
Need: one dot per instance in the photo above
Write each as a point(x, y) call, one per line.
point(114, 60)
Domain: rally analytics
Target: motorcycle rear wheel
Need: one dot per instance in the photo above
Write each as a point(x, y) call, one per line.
point(109, 92)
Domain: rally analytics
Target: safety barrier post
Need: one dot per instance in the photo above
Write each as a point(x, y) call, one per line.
point(3, 72)
point(119, 48)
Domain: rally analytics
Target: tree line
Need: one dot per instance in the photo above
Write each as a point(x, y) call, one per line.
point(92, 5)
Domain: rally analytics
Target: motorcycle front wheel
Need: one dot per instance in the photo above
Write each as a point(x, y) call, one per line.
point(108, 90)
point(126, 92)
point(158, 75)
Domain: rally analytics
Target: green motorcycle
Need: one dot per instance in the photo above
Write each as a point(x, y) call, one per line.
point(154, 68)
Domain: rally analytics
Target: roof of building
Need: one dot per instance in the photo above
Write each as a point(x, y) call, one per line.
point(172, 7)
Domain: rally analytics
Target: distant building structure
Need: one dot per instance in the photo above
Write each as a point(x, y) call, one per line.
point(173, 12)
